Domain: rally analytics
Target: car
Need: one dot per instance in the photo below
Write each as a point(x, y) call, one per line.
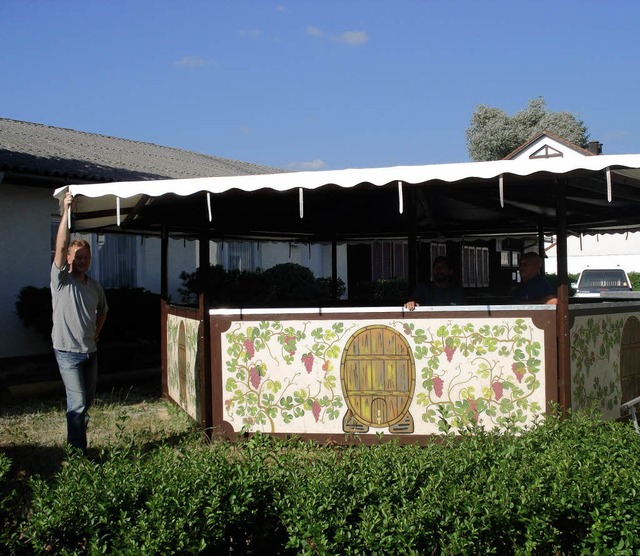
point(598, 282)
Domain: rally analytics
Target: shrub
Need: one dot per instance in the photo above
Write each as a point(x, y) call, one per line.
point(282, 284)
point(134, 316)
point(553, 280)
point(568, 486)
point(635, 280)
point(290, 282)
point(388, 291)
point(7, 494)
point(392, 290)
point(134, 313)
point(33, 307)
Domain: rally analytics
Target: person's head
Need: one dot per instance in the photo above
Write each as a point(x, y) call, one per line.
point(441, 271)
point(530, 266)
point(79, 256)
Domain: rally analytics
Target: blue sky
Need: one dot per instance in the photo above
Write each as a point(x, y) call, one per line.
point(322, 84)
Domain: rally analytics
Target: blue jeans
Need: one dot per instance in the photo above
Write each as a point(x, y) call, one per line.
point(79, 373)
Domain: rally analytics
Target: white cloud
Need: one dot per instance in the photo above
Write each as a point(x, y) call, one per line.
point(314, 32)
point(281, 8)
point(615, 135)
point(253, 34)
point(245, 129)
point(353, 38)
point(193, 62)
point(316, 164)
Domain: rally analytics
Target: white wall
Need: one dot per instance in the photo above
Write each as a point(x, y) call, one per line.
point(600, 251)
point(25, 244)
point(182, 256)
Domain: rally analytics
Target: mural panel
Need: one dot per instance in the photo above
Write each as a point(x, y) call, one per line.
point(605, 350)
point(419, 376)
point(183, 364)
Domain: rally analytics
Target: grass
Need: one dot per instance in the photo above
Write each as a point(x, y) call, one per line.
point(33, 432)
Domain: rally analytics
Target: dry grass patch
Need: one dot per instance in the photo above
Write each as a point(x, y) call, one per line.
point(33, 433)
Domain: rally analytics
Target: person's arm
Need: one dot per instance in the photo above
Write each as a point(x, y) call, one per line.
point(100, 318)
point(417, 298)
point(63, 235)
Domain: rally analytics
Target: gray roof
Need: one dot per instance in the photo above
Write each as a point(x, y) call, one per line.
point(77, 156)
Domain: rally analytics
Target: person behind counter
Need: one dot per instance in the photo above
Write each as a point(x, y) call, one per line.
point(533, 288)
point(441, 291)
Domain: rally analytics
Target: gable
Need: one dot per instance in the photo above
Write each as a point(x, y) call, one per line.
point(546, 146)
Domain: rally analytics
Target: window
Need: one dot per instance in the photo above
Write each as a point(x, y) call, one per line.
point(505, 259)
point(239, 255)
point(482, 259)
point(515, 258)
point(114, 256)
point(389, 259)
point(115, 262)
point(437, 250)
point(475, 266)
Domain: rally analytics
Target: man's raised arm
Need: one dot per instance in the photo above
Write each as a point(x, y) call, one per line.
point(63, 235)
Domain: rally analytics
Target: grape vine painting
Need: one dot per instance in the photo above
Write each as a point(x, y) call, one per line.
point(182, 363)
point(595, 363)
point(419, 376)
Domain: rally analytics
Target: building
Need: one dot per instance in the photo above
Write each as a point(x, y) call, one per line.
point(34, 160)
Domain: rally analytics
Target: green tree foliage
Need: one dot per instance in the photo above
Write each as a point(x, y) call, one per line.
point(493, 134)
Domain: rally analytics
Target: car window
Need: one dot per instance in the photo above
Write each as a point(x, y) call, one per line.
point(603, 279)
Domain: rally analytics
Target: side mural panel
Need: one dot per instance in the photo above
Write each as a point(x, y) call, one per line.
point(183, 367)
point(605, 352)
point(422, 376)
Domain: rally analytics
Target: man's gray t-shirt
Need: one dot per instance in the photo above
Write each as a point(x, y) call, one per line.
point(75, 307)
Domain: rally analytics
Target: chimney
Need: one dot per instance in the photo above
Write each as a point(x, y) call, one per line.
point(594, 147)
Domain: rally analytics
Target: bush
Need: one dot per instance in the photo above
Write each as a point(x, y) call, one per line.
point(33, 307)
point(290, 282)
point(635, 280)
point(7, 496)
point(568, 486)
point(282, 284)
point(134, 316)
point(134, 313)
point(388, 291)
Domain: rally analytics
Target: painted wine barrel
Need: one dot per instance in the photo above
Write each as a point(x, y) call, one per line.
point(378, 376)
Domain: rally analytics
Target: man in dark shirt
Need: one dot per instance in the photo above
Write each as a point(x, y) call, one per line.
point(534, 288)
point(441, 291)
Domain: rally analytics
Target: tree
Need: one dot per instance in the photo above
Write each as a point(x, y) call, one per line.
point(493, 134)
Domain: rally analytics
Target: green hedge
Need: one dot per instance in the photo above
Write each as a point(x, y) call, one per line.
point(635, 280)
point(282, 284)
point(566, 487)
point(134, 314)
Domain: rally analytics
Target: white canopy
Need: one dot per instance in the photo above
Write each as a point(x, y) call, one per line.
point(498, 195)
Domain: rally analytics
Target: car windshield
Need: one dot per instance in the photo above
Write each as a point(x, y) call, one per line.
point(603, 279)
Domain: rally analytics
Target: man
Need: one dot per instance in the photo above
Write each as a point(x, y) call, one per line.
point(533, 288)
point(441, 291)
point(79, 311)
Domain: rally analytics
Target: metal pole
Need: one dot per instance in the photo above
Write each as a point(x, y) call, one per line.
point(562, 310)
